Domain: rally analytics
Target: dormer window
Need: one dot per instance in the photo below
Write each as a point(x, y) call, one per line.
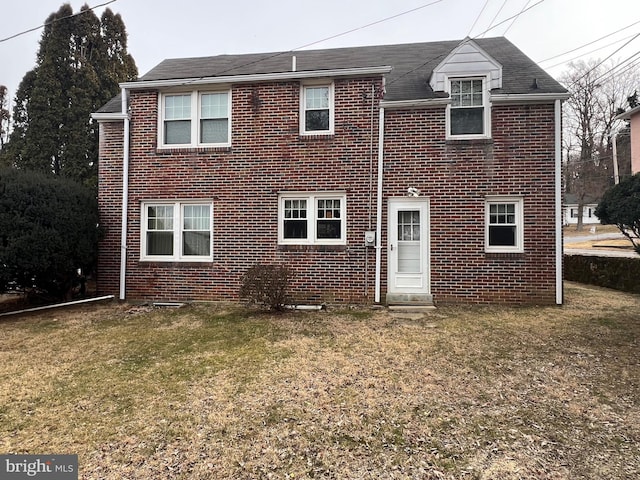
point(469, 111)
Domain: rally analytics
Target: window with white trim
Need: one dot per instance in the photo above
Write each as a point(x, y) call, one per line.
point(468, 113)
point(316, 109)
point(504, 225)
point(195, 119)
point(176, 231)
point(318, 219)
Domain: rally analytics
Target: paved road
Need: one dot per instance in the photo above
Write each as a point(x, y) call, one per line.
point(598, 252)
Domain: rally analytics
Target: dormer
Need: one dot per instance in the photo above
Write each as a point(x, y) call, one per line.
point(468, 74)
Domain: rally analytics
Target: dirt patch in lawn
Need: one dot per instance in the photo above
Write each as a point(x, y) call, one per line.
point(203, 392)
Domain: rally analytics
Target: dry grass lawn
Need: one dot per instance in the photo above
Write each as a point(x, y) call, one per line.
point(206, 392)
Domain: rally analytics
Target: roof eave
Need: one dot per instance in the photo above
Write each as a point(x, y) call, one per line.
point(518, 98)
point(258, 77)
point(415, 103)
point(109, 116)
point(628, 114)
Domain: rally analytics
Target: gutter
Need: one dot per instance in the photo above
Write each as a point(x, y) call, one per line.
point(379, 205)
point(125, 195)
point(258, 77)
point(558, 202)
point(519, 98)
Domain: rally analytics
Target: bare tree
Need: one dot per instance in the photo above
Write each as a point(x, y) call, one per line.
point(598, 95)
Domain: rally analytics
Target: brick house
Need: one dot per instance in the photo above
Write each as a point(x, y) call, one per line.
point(395, 174)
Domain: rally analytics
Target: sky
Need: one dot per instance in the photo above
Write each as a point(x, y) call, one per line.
point(162, 29)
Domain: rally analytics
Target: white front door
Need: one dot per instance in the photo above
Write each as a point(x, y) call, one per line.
point(408, 248)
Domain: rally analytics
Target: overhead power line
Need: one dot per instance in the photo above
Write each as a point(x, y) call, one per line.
point(587, 53)
point(514, 20)
point(526, 9)
point(278, 54)
point(55, 20)
point(498, 12)
point(478, 17)
point(369, 24)
point(590, 43)
point(605, 59)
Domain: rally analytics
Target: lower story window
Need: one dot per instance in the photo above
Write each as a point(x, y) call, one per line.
point(504, 224)
point(312, 219)
point(176, 231)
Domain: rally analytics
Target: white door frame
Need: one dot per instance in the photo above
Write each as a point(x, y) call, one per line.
point(409, 286)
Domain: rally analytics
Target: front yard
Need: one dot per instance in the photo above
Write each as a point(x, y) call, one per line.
point(206, 392)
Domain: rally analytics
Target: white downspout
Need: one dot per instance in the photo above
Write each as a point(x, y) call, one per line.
point(379, 204)
point(558, 198)
point(125, 195)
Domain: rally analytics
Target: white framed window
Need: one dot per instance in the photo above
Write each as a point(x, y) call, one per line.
point(176, 231)
point(195, 119)
point(468, 115)
point(504, 224)
point(308, 219)
point(316, 109)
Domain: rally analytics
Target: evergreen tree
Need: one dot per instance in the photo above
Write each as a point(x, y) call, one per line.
point(80, 62)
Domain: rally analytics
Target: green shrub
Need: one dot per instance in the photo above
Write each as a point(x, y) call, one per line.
point(267, 285)
point(610, 272)
point(620, 206)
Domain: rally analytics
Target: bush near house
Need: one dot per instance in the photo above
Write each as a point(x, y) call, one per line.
point(48, 230)
point(610, 272)
point(267, 285)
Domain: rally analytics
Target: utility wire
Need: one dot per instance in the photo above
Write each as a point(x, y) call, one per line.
point(514, 20)
point(498, 13)
point(368, 25)
point(512, 17)
point(601, 62)
point(586, 53)
point(279, 54)
point(478, 17)
point(610, 73)
point(590, 43)
point(56, 20)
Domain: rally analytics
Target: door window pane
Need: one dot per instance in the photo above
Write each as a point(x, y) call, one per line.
point(409, 225)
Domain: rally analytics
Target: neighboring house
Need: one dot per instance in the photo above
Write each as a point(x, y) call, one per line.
point(398, 174)
point(571, 210)
point(633, 116)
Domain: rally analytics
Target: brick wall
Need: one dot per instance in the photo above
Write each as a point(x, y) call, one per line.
point(110, 201)
point(457, 176)
point(268, 156)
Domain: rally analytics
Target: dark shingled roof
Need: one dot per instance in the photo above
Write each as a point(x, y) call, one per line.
point(412, 66)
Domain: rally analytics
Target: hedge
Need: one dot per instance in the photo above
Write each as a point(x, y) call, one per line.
point(619, 273)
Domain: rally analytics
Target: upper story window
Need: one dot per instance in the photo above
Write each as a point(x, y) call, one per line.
point(469, 115)
point(318, 219)
point(176, 231)
point(504, 225)
point(195, 119)
point(316, 109)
